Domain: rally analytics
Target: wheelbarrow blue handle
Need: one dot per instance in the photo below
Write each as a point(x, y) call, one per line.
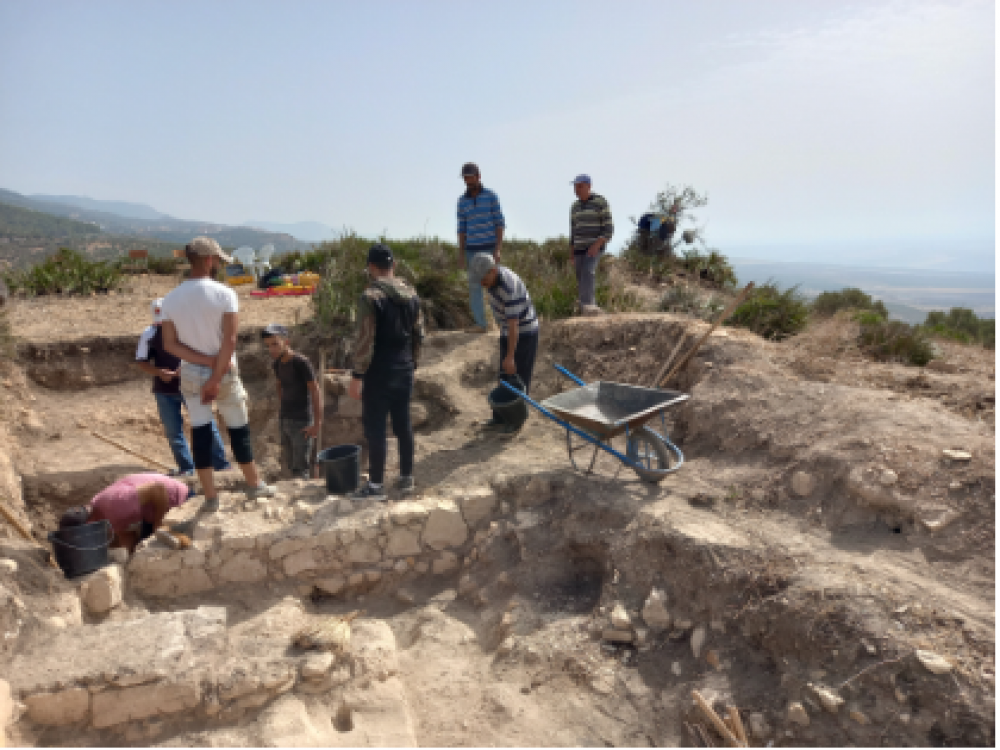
point(569, 375)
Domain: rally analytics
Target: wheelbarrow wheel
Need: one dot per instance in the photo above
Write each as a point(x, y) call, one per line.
point(651, 454)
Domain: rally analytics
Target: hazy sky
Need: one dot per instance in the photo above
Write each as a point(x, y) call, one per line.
point(813, 125)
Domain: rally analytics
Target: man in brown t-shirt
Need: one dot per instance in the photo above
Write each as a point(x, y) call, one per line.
point(300, 416)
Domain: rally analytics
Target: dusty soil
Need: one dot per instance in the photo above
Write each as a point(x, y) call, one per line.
point(817, 535)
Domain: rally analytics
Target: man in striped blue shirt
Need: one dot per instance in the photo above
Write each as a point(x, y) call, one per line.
point(515, 316)
point(480, 230)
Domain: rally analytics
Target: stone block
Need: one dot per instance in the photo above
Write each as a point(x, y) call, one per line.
point(446, 563)
point(332, 585)
point(654, 611)
point(58, 708)
point(403, 542)
point(113, 707)
point(408, 512)
point(193, 581)
point(300, 562)
point(242, 569)
point(445, 526)
point(102, 591)
point(803, 483)
point(364, 553)
point(477, 505)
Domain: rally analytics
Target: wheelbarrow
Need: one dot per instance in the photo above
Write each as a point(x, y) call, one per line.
point(601, 411)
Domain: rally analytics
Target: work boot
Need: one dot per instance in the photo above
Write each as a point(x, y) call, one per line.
point(369, 491)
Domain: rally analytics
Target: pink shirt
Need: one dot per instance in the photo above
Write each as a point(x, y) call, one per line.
point(119, 503)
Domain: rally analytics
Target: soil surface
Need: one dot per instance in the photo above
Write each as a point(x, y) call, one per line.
point(818, 539)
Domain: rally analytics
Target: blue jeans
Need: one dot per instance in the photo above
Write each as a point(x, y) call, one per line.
point(475, 288)
point(169, 406)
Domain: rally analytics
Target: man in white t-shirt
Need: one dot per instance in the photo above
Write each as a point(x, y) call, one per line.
point(200, 325)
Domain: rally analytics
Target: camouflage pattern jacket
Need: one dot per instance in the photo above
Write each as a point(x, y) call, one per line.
point(380, 293)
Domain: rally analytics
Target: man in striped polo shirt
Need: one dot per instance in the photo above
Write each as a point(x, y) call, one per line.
point(590, 230)
point(515, 316)
point(480, 230)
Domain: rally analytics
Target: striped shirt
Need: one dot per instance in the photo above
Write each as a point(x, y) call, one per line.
point(479, 217)
point(510, 300)
point(589, 220)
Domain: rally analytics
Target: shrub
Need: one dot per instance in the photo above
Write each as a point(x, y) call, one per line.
point(896, 340)
point(165, 265)
point(66, 272)
point(850, 298)
point(431, 266)
point(772, 313)
point(687, 299)
point(963, 325)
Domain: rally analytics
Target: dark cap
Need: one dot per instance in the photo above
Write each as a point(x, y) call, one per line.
point(470, 170)
point(380, 254)
point(274, 329)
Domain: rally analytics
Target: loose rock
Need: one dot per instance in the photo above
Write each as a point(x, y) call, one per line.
point(796, 714)
point(620, 618)
point(830, 701)
point(698, 638)
point(654, 611)
point(316, 666)
point(933, 663)
point(803, 483)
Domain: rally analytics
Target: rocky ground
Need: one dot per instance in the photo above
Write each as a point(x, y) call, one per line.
point(823, 561)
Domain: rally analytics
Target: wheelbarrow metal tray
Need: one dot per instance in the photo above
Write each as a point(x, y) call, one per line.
point(605, 409)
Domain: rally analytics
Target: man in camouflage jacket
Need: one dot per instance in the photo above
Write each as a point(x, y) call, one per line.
point(386, 351)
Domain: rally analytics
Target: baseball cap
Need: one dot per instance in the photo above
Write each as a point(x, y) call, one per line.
point(274, 329)
point(207, 246)
point(582, 178)
point(480, 265)
point(470, 170)
point(380, 254)
point(154, 307)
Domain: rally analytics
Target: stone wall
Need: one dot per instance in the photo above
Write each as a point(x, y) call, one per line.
point(321, 541)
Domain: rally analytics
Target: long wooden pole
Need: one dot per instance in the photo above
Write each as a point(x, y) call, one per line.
point(125, 448)
point(322, 401)
point(719, 724)
point(16, 522)
point(718, 321)
point(666, 363)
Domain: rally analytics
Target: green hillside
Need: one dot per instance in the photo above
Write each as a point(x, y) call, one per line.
point(27, 224)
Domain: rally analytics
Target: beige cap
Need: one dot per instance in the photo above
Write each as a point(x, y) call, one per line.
point(207, 246)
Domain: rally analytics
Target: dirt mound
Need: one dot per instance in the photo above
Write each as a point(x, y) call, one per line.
point(819, 561)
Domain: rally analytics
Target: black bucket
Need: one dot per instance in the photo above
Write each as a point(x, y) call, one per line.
point(342, 464)
point(82, 549)
point(507, 405)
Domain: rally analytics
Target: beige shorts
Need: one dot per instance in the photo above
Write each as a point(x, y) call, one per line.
point(231, 401)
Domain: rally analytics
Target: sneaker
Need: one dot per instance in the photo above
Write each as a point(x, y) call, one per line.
point(405, 485)
point(177, 473)
point(211, 504)
point(264, 490)
point(368, 491)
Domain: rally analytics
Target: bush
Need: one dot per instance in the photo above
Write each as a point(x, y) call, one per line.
point(687, 299)
point(963, 325)
point(431, 266)
point(66, 272)
point(829, 303)
point(165, 265)
point(895, 340)
point(772, 313)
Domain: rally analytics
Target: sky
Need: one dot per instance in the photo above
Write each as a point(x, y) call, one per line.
point(820, 130)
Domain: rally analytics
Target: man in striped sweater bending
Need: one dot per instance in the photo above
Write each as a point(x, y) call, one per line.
point(515, 316)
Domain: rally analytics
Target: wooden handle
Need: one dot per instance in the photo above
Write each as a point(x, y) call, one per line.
point(118, 445)
point(733, 714)
point(666, 364)
point(719, 724)
point(718, 321)
point(16, 522)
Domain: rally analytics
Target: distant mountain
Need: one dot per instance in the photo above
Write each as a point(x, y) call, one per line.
point(120, 208)
point(307, 231)
point(27, 224)
point(160, 228)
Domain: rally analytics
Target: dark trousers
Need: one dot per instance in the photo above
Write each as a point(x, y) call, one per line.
point(387, 393)
point(524, 358)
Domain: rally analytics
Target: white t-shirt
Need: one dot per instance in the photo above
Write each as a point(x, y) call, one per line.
point(196, 308)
